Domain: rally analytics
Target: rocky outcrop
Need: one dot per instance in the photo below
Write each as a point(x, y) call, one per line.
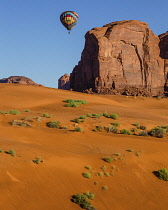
point(19, 80)
point(120, 58)
point(64, 82)
point(163, 44)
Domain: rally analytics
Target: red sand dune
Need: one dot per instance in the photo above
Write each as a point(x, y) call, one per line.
point(50, 185)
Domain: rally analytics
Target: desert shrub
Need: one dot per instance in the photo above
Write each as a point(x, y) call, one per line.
point(162, 174)
point(116, 124)
point(82, 117)
point(88, 167)
point(117, 154)
point(11, 152)
point(37, 160)
point(143, 133)
point(100, 173)
point(111, 128)
point(82, 201)
point(78, 129)
point(104, 168)
point(130, 150)
point(63, 127)
point(21, 123)
point(98, 128)
point(142, 127)
point(104, 188)
point(108, 159)
point(4, 112)
point(1, 150)
point(165, 127)
point(157, 132)
point(47, 115)
point(53, 124)
point(87, 175)
point(96, 115)
point(88, 115)
point(114, 116)
point(138, 154)
point(105, 114)
point(107, 174)
point(133, 130)
point(14, 112)
point(27, 110)
point(136, 124)
point(74, 103)
point(125, 131)
point(89, 195)
point(76, 120)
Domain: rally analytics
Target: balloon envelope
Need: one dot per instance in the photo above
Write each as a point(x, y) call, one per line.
point(69, 19)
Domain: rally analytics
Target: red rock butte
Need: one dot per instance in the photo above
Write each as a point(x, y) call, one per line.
point(122, 57)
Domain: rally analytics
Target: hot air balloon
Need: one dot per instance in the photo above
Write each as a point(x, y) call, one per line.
point(69, 19)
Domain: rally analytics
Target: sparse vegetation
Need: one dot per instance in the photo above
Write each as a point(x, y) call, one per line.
point(1, 150)
point(47, 115)
point(104, 168)
point(27, 110)
point(142, 127)
point(116, 124)
point(111, 129)
point(87, 175)
point(88, 167)
point(74, 103)
point(82, 117)
point(14, 112)
point(136, 124)
point(11, 152)
point(158, 132)
point(105, 114)
point(125, 131)
point(143, 133)
point(98, 128)
point(21, 123)
point(88, 115)
point(130, 150)
point(107, 174)
point(37, 160)
point(89, 195)
point(104, 188)
point(78, 129)
point(162, 174)
point(108, 159)
point(100, 174)
point(114, 116)
point(82, 201)
point(53, 124)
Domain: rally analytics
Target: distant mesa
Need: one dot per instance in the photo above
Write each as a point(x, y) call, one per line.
point(64, 82)
point(122, 57)
point(19, 80)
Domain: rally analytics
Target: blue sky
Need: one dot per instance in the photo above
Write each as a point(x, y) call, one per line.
point(33, 43)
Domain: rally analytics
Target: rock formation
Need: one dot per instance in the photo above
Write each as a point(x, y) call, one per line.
point(19, 80)
point(164, 54)
point(64, 82)
point(120, 58)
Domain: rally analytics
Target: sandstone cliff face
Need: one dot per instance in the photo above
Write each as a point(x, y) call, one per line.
point(164, 54)
point(120, 57)
point(64, 82)
point(19, 80)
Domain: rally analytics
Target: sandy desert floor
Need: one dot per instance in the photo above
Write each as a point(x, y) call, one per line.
point(49, 185)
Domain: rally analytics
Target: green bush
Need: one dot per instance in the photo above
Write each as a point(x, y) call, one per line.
point(114, 116)
point(100, 173)
point(142, 127)
point(37, 160)
point(14, 112)
point(53, 124)
point(108, 159)
point(130, 150)
point(27, 110)
point(89, 195)
point(87, 175)
point(162, 174)
point(47, 115)
point(88, 167)
point(78, 129)
point(88, 115)
point(158, 132)
point(105, 114)
point(1, 150)
point(104, 188)
point(76, 120)
point(82, 201)
point(82, 117)
point(111, 129)
point(143, 133)
point(116, 124)
point(11, 152)
point(136, 124)
point(125, 131)
point(107, 174)
point(96, 115)
point(74, 103)
point(98, 128)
